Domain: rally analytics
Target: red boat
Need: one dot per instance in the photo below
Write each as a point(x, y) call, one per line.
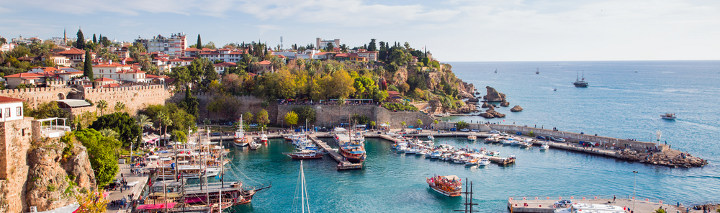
point(305, 154)
point(450, 185)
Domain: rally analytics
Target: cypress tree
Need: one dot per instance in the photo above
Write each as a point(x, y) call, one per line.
point(87, 68)
point(199, 43)
point(94, 39)
point(80, 43)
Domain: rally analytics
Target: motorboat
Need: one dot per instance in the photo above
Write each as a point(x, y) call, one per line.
point(263, 138)
point(305, 154)
point(483, 162)
point(472, 138)
point(668, 116)
point(545, 146)
point(450, 185)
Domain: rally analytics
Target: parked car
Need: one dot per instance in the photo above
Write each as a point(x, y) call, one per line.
point(541, 137)
point(464, 130)
point(215, 134)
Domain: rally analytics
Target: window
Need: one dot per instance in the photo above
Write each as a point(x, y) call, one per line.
point(19, 111)
point(7, 112)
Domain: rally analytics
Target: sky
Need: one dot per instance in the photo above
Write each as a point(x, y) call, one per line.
point(453, 30)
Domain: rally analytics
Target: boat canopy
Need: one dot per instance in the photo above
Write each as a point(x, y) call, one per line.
point(156, 206)
point(452, 177)
point(339, 129)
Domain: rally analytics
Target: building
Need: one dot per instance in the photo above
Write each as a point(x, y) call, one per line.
point(263, 67)
point(75, 55)
point(60, 60)
point(322, 44)
point(369, 55)
point(221, 67)
point(15, 80)
point(7, 47)
point(225, 55)
point(119, 72)
point(12, 109)
point(173, 45)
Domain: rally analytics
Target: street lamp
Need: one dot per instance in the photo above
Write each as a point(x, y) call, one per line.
point(634, 185)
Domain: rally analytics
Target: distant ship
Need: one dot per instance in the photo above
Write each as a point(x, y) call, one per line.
point(580, 82)
point(668, 116)
point(495, 70)
point(537, 71)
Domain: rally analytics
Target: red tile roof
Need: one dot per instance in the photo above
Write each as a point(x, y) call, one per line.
point(72, 51)
point(111, 65)
point(265, 62)
point(25, 75)
point(104, 79)
point(4, 100)
point(111, 85)
point(226, 64)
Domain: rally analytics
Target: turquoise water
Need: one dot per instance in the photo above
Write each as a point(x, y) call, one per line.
point(620, 102)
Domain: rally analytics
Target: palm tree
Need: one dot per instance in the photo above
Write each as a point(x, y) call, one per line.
point(403, 124)
point(142, 121)
point(119, 106)
point(102, 105)
point(164, 121)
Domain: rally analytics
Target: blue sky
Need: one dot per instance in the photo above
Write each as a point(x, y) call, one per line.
point(454, 30)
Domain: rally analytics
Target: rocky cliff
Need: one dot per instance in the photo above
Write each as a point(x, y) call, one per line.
point(57, 172)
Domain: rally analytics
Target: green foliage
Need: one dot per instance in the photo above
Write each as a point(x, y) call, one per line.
point(359, 119)
point(179, 136)
point(80, 43)
point(262, 117)
point(121, 123)
point(462, 125)
point(419, 122)
point(102, 105)
point(178, 118)
point(102, 154)
point(291, 118)
point(248, 116)
point(305, 113)
point(119, 106)
point(190, 103)
point(659, 210)
point(400, 107)
point(46, 110)
point(199, 43)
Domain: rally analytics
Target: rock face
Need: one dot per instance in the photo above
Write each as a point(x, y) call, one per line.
point(54, 178)
point(516, 108)
point(493, 95)
point(491, 113)
point(473, 100)
point(486, 105)
point(505, 104)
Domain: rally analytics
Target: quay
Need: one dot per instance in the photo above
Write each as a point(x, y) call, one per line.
point(547, 204)
point(342, 163)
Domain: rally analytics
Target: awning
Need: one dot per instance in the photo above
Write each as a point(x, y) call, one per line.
point(156, 206)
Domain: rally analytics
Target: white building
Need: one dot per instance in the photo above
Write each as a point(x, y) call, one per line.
point(225, 55)
point(12, 109)
point(321, 44)
point(7, 47)
point(119, 72)
point(173, 45)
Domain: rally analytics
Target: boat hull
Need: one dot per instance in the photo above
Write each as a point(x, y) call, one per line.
point(443, 192)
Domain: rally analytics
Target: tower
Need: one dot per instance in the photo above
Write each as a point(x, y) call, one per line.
point(64, 35)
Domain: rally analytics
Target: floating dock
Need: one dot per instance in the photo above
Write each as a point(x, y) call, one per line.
point(342, 163)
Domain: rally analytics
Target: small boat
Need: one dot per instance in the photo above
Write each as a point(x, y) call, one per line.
point(472, 138)
point(450, 185)
point(496, 70)
point(240, 138)
point(554, 89)
point(431, 137)
point(537, 71)
point(471, 162)
point(581, 82)
point(254, 145)
point(304, 154)
point(263, 138)
point(435, 155)
point(544, 146)
point(668, 116)
point(483, 162)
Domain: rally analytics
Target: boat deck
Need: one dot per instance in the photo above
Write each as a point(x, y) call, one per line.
point(342, 163)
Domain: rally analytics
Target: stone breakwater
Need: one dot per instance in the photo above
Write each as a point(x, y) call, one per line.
point(630, 150)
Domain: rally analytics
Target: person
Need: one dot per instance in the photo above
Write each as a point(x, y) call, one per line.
point(614, 198)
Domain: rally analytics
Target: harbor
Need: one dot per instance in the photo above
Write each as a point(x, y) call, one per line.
point(590, 203)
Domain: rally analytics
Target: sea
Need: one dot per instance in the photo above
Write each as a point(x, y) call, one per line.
point(624, 100)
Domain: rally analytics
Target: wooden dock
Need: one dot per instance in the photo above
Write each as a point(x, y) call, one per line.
point(342, 163)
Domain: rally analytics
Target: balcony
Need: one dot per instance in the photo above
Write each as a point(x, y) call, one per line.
point(53, 127)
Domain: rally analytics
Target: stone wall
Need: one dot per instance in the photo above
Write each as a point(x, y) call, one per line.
point(134, 97)
point(243, 104)
point(15, 137)
point(333, 115)
point(35, 96)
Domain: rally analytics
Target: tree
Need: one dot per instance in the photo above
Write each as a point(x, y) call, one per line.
point(102, 105)
point(87, 65)
point(80, 43)
point(262, 117)
point(121, 123)
point(248, 116)
point(91, 202)
point(372, 124)
point(142, 121)
point(199, 43)
point(101, 152)
point(403, 124)
point(372, 46)
point(46, 110)
point(94, 39)
point(291, 118)
point(462, 125)
point(305, 113)
point(119, 106)
point(191, 103)
point(179, 136)
point(164, 121)
point(329, 47)
point(419, 122)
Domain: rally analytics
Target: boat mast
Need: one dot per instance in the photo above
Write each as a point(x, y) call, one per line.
point(222, 181)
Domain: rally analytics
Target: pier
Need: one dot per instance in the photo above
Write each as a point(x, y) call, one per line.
point(342, 163)
point(546, 204)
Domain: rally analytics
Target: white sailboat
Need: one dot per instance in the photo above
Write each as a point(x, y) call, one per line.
point(304, 199)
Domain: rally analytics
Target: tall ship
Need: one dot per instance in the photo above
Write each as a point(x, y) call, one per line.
point(352, 148)
point(241, 139)
point(580, 82)
point(450, 185)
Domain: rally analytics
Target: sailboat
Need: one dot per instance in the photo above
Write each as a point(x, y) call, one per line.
point(240, 138)
point(304, 198)
point(496, 70)
point(537, 71)
point(580, 82)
